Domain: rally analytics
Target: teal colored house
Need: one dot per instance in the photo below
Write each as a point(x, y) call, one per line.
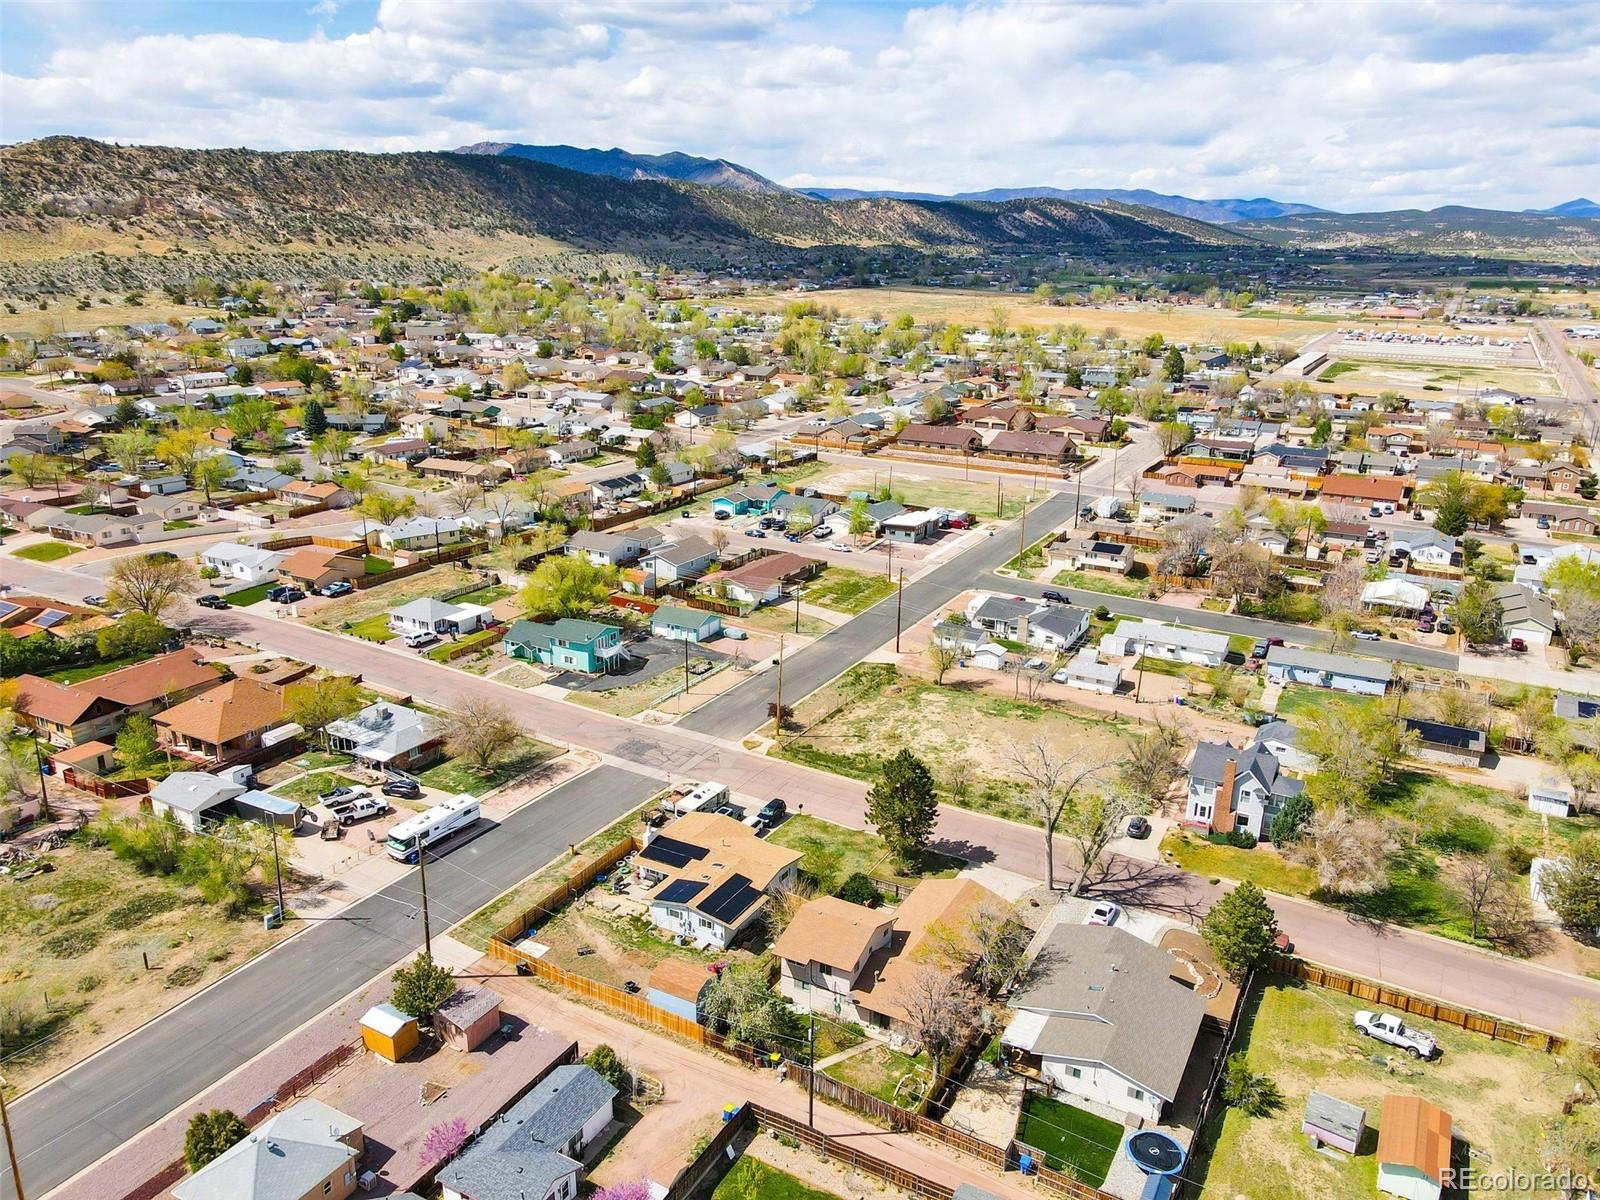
point(756, 498)
point(684, 624)
point(568, 645)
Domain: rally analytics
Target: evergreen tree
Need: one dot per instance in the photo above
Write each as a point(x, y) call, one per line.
point(903, 807)
point(421, 988)
point(314, 420)
point(209, 1134)
point(1240, 929)
point(1291, 819)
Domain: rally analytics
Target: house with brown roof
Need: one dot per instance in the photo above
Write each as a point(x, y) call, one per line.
point(1366, 489)
point(762, 580)
point(226, 723)
point(93, 710)
point(305, 491)
point(710, 877)
point(315, 567)
point(857, 963)
point(462, 470)
point(955, 438)
point(989, 419)
point(1413, 1148)
point(1044, 449)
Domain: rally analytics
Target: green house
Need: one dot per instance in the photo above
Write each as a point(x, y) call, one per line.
point(568, 645)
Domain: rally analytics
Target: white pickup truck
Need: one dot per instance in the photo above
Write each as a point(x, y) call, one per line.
point(1387, 1027)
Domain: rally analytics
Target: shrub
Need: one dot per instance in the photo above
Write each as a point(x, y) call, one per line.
point(858, 889)
point(1517, 857)
point(185, 974)
point(140, 909)
point(90, 983)
point(209, 1134)
point(1247, 1091)
point(605, 1063)
point(74, 943)
point(1461, 833)
point(1102, 613)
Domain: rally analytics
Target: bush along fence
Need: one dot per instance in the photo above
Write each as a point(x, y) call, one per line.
point(1382, 994)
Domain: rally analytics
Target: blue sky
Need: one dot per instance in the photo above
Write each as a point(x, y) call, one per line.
point(1349, 105)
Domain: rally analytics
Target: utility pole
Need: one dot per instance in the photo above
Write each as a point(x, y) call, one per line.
point(797, 610)
point(422, 874)
point(277, 870)
point(997, 500)
point(899, 593)
point(889, 565)
point(1022, 535)
point(44, 789)
point(777, 719)
point(811, 1083)
point(1077, 503)
point(11, 1147)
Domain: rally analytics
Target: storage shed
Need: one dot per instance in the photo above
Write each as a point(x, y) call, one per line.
point(678, 985)
point(1329, 1121)
point(1550, 799)
point(466, 1020)
point(1413, 1148)
point(388, 1032)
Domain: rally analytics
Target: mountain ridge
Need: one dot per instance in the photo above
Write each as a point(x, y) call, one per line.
point(1215, 212)
point(617, 163)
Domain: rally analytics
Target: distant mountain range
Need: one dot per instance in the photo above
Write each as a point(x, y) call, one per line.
point(621, 164)
point(1217, 212)
point(1580, 207)
point(1453, 229)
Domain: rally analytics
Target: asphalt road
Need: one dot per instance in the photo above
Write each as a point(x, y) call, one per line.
point(68, 1123)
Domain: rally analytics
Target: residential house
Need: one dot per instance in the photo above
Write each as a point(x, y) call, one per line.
point(1525, 614)
point(169, 508)
point(1366, 489)
point(314, 567)
point(1042, 449)
point(856, 963)
point(711, 877)
point(617, 487)
point(1155, 507)
point(763, 580)
point(1105, 1020)
point(421, 533)
point(424, 427)
point(1086, 672)
point(1002, 616)
point(1090, 553)
point(671, 562)
point(1281, 739)
point(1219, 450)
point(428, 615)
point(1456, 745)
point(1564, 518)
point(535, 1150)
point(991, 419)
point(242, 564)
point(802, 511)
point(387, 737)
point(1155, 640)
point(188, 797)
point(93, 710)
point(568, 645)
point(1427, 548)
point(225, 723)
point(611, 549)
point(309, 1151)
point(1231, 789)
point(564, 454)
point(1058, 627)
point(754, 498)
point(459, 470)
point(1341, 672)
point(678, 624)
point(94, 529)
point(911, 525)
point(955, 438)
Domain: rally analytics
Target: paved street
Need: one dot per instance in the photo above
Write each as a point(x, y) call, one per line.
point(66, 1124)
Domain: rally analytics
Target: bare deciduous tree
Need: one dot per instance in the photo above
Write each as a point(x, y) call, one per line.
point(941, 658)
point(1052, 780)
point(480, 731)
point(1155, 761)
point(941, 1007)
point(463, 497)
point(1475, 882)
point(149, 584)
point(1182, 542)
point(1342, 587)
point(1348, 851)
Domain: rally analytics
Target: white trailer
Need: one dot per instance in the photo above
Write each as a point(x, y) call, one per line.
point(426, 828)
point(706, 796)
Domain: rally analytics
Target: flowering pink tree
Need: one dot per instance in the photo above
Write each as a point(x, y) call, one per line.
point(636, 1189)
point(442, 1141)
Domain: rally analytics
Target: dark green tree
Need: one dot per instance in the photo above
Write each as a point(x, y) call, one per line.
point(1478, 613)
point(1172, 366)
point(314, 420)
point(1240, 929)
point(605, 1063)
point(422, 987)
point(1291, 819)
point(903, 807)
point(209, 1134)
point(645, 456)
point(1571, 884)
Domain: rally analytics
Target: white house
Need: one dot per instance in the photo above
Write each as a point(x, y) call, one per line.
point(1058, 627)
point(1155, 640)
point(1231, 789)
point(1087, 553)
point(429, 427)
point(1087, 672)
point(1105, 1020)
point(687, 558)
point(712, 877)
point(421, 533)
point(1341, 672)
point(427, 615)
point(242, 564)
point(610, 549)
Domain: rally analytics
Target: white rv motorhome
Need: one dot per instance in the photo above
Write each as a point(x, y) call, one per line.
point(439, 822)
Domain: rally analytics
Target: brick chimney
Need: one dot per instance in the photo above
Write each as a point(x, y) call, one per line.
point(1222, 810)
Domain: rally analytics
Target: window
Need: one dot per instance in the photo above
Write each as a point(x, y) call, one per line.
point(327, 1187)
point(1075, 1072)
point(1136, 1093)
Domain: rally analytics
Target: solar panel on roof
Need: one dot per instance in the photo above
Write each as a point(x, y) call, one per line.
point(1588, 708)
point(672, 852)
point(729, 900)
point(49, 617)
point(7, 608)
point(680, 891)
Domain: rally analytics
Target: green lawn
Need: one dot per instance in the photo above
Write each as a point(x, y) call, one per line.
point(376, 565)
point(835, 1036)
point(46, 551)
point(752, 1177)
point(1070, 1139)
point(373, 629)
point(485, 595)
point(307, 788)
point(1300, 699)
point(251, 595)
point(180, 525)
point(834, 853)
point(886, 1073)
point(90, 670)
point(456, 776)
point(844, 590)
point(1261, 866)
point(1337, 369)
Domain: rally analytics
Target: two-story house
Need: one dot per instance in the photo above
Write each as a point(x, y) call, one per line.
point(1232, 789)
point(569, 644)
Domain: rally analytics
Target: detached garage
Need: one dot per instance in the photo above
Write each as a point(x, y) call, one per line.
point(685, 624)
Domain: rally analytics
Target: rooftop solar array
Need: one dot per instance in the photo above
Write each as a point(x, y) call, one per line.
point(729, 900)
point(672, 852)
point(49, 617)
point(680, 891)
point(7, 608)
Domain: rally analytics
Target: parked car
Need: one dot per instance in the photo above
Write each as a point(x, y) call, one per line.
point(97, 601)
point(403, 789)
point(1054, 597)
point(1418, 515)
point(1366, 635)
point(363, 809)
point(1388, 1027)
point(755, 533)
point(339, 587)
point(1104, 913)
point(1425, 626)
point(277, 594)
point(734, 633)
point(1272, 641)
point(1139, 828)
point(1259, 650)
point(822, 533)
point(721, 514)
point(339, 796)
point(414, 640)
point(772, 811)
point(1519, 645)
point(736, 811)
point(211, 600)
point(842, 548)
point(1543, 522)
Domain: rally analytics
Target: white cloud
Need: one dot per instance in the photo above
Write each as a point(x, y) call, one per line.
point(1358, 104)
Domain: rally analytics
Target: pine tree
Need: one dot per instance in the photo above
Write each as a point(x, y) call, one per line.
point(209, 1134)
point(903, 807)
point(1240, 929)
point(314, 420)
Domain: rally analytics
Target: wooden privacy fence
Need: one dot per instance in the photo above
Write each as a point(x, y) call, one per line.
point(846, 1153)
point(559, 893)
point(1419, 1006)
